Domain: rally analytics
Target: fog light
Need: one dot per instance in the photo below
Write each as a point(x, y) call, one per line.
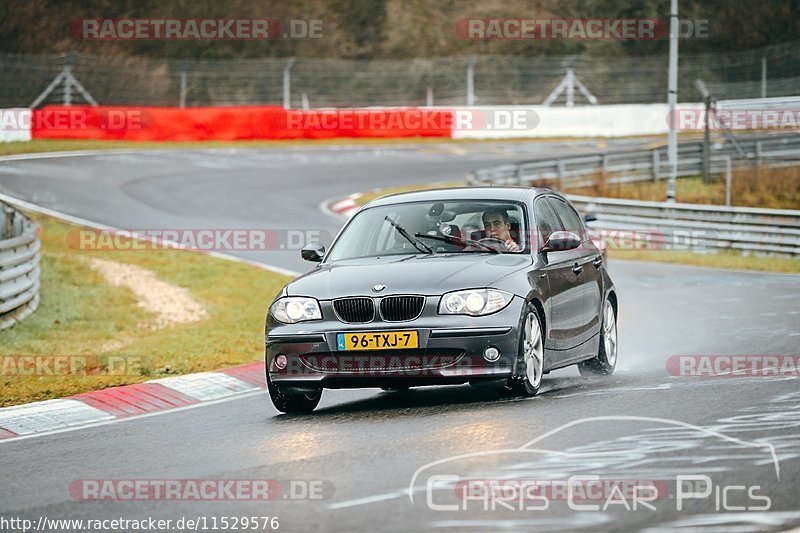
point(491, 354)
point(280, 361)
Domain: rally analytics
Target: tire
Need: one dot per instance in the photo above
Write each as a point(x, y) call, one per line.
point(292, 403)
point(606, 360)
point(530, 356)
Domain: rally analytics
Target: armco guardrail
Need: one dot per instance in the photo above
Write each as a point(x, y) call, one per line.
point(19, 266)
point(640, 165)
point(767, 231)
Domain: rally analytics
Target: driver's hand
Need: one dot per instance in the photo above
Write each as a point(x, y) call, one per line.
point(511, 246)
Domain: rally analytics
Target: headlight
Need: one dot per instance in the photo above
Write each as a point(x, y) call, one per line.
point(475, 302)
point(292, 309)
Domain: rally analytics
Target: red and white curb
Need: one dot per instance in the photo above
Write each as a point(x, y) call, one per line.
point(105, 405)
point(344, 208)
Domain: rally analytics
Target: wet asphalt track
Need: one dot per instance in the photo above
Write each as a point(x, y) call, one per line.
point(366, 446)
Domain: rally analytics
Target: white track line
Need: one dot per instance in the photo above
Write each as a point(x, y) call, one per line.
point(90, 224)
point(72, 153)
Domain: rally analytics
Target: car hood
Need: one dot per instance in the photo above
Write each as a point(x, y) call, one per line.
point(420, 274)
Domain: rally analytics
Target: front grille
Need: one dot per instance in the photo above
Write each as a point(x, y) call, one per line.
point(354, 310)
point(401, 308)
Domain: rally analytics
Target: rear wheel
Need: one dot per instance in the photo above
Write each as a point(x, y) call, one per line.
point(530, 361)
point(606, 360)
point(292, 403)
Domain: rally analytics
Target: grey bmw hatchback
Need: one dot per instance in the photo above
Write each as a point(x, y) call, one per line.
point(489, 286)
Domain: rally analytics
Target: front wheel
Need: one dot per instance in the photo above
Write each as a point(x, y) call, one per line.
point(606, 360)
point(530, 361)
point(292, 403)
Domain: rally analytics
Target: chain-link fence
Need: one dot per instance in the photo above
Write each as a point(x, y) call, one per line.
point(496, 80)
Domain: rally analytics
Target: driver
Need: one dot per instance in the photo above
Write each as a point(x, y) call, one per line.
point(497, 225)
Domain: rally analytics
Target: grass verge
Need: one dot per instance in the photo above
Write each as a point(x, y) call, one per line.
point(724, 259)
point(775, 188)
point(81, 315)
point(66, 145)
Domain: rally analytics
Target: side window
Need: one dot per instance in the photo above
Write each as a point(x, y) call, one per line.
point(546, 220)
point(572, 221)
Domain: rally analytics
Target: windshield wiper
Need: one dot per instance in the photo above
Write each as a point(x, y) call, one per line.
point(457, 240)
point(419, 245)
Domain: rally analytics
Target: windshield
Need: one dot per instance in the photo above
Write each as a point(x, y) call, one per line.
point(464, 226)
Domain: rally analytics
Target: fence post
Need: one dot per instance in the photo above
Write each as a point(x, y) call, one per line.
point(287, 83)
point(728, 181)
point(8, 222)
point(656, 164)
point(182, 97)
point(68, 80)
point(570, 88)
point(707, 143)
point(561, 169)
point(764, 75)
point(471, 81)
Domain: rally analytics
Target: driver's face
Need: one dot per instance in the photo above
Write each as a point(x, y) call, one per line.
point(496, 227)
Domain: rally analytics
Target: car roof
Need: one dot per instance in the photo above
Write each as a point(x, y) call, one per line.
point(462, 193)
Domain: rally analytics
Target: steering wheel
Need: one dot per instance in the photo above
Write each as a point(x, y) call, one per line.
point(494, 242)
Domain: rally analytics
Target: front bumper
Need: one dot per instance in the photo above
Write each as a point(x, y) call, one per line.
point(450, 351)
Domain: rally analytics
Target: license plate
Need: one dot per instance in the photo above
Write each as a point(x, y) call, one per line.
point(377, 340)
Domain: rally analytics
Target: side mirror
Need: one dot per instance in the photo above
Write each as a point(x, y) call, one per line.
point(589, 217)
point(313, 252)
point(561, 241)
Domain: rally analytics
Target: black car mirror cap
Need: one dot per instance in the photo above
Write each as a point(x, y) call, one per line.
point(590, 217)
point(313, 252)
point(436, 210)
point(561, 241)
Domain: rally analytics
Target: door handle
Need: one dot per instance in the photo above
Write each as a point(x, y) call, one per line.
point(577, 269)
point(597, 262)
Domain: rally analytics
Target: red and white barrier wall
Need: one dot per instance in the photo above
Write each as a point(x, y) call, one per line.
point(15, 124)
point(272, 122)
point(509, 122)
point(235, 123)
